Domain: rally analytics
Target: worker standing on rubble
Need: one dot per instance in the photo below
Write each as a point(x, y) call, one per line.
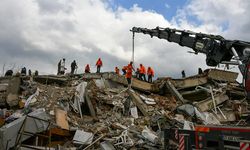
point(99, 65)
point(62, 67)
point(117, 70)
point(73, 67)
point(87, 69)
point(150, 73)
point(8, 73)
point(23, 71)
point(137, 73)
point(183, 74)
point(200, 71)
point(124, 70)
point(142, 71)
point(29, 72)
point(36, 73)
point(58, 67)
point(129, 73)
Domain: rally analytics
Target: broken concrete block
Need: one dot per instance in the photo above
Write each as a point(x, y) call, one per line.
point(82, 137)
point(147, 100)
point(222, 75)
point(107, 146)
point(32, 99)
point(174, 91)
point(187, 109)
point(90, 76)
point(134, 112)
point(100, 83)
point(90, 105)
point(149, 135)
point(80, 91)
point(51, 79)
point(189, 82)
point(13, 91)
point(207, 104)
point(229, 116)
point(138, 102)
point(3, 87)
point(136, 84)
point(207, 118)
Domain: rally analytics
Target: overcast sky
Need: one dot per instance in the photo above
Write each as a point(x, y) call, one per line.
point(37, 33)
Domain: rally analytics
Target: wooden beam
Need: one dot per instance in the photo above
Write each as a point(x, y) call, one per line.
point(61, 118)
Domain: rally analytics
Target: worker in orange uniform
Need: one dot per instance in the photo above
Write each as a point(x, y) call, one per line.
point(87, 69)
point(98, 65)
point(129, 73)
point(150, 73)
point(142, 72)
point(117, 70)
point(124, 69)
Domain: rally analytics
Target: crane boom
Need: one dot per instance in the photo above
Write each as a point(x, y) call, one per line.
point(216, 48)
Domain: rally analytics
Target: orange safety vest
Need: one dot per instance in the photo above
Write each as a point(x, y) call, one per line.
point(129, 71)
point(150, 71)
point(87, 68)
point(124, 68)
point(142, 70)
point(99, 62)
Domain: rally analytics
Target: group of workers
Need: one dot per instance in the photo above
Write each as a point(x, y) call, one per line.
point(140, 72)
point(61, 67)
point(98, 66)
point(23, 72)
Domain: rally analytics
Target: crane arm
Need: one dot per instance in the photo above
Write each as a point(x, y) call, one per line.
point(216, 48)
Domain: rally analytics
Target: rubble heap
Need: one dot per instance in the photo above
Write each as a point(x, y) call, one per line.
point(98, 111)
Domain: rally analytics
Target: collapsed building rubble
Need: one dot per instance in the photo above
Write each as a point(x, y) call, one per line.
point(98, 111)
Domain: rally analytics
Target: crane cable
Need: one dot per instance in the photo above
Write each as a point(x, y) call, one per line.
point(133, 55)
point(133, 47)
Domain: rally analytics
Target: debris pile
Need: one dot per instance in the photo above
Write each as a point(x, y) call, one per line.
point(98, 111)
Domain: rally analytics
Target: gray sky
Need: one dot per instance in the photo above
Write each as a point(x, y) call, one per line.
point(37, 33)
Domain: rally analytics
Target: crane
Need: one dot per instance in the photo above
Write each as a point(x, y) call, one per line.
point(216, 48)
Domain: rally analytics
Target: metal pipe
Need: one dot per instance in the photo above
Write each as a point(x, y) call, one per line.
point(236, 55)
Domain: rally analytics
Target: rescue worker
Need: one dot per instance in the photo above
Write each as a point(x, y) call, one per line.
point(8, 73)
point(29, 72)
point(117, 70)
point(87, 69)
point(183, 74)
point(129, 73)
point(200, 71)
point(23, 71)
point(36, 73)
point(124, 69)
point(99, 65)
point(150, 73)
point(58, 67)
point(137, 73)
point(62, 67)
point(73, 67)
point(142, 71)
